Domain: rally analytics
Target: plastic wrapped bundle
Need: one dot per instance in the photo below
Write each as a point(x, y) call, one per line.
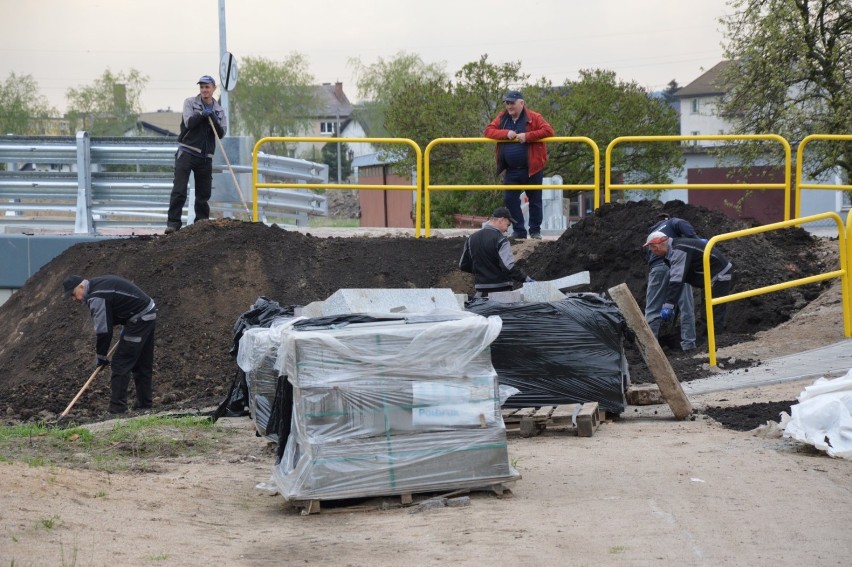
point(392, 407)
point(258, 350)
point(561, 352)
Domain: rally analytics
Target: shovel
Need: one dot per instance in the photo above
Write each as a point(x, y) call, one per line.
point(86, 385)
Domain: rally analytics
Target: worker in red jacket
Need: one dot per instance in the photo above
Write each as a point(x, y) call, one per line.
point(521, 163)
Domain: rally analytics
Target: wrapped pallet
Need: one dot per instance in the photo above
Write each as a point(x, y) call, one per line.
point(392, 407)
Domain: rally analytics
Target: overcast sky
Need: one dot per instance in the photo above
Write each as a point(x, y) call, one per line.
point(70, 43)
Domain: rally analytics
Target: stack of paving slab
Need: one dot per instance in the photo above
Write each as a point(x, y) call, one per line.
point(393, 407)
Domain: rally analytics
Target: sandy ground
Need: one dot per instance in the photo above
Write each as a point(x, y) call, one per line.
point(644, 490)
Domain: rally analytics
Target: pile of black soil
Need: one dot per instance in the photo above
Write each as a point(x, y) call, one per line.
point(206, 275)
point(746, 418)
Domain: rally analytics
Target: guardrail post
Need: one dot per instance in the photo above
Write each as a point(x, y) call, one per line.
point(83, 223)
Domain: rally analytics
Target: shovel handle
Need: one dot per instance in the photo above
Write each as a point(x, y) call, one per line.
point(89, 381)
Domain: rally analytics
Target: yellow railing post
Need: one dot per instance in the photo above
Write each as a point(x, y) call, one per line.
point(609, 186)
point(800, 152)
point(428, 187)
point(842, 273)
point(417, 187)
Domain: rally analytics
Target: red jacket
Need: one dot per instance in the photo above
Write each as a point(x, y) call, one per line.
point(537, 128)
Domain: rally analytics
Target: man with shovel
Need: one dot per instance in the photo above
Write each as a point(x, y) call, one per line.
point(203, 120)
point(116, 301)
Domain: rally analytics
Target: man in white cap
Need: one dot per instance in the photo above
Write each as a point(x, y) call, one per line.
point(685, 258)
point(203, 119)
point(488, 256)
point(658, 281)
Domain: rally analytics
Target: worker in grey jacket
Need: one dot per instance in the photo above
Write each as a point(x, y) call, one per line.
point(488, 256)
point(685, 258)
point(115, 301)
point(203, 120)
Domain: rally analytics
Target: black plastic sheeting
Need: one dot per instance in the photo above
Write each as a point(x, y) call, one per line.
point(261, 314)
point(561, 352)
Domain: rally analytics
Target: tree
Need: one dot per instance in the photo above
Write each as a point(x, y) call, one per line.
point(273, 98)
point(329, 157)
point(110, 105)
point(23, 109)
point(791, 73)
point(382, 81)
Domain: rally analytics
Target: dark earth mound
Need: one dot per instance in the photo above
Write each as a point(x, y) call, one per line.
point(205, 276)
point(746, 418)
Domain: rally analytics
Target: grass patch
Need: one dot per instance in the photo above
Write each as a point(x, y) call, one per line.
point(128, 445)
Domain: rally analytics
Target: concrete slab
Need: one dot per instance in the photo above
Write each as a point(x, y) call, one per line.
point(828, 361)
point(345, 301)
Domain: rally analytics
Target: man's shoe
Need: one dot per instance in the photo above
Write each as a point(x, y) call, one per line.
point(535, 235)
point(518, 236)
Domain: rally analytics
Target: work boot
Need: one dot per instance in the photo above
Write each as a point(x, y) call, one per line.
point(518, 236)
point(171, 228)
point(535, 235)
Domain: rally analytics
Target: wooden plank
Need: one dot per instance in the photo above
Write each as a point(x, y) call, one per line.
point(562, 415)
point(653, 355)
point(587, 419)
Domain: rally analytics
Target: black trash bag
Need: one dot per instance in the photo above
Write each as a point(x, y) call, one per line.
point(261, 314)
point(280, 419)
point(560, 352)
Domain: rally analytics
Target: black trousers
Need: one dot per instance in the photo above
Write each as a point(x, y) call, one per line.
point(203, 170)
point(134, 358)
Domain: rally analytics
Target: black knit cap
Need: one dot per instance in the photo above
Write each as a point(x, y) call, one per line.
point(71, 282)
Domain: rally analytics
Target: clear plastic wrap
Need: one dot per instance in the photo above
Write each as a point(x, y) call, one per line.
point(560, 352)
point(392, 407)
point(258, 349)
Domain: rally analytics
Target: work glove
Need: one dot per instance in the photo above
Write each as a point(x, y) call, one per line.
point(703, 240)
point(667, 312)
point(101, 362)
point(208, 112)
point(530, 280)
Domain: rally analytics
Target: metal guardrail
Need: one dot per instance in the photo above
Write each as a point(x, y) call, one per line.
point(428, 187)
point(785, 145)
point(83, 197)
point(842, 272)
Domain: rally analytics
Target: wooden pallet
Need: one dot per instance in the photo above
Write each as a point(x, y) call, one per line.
point(308, 507)
point(532, 421)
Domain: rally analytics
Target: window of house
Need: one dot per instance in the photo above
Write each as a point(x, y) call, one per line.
point(327, 127)
point(695, 133)
point(695, 106)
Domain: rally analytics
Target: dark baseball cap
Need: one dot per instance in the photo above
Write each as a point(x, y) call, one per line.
point(512, 96)
point(207, 80)
point(71, 282)
point(502, 213)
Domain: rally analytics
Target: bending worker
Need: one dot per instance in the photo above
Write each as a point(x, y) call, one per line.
point(685, 259)
point(115, 301)
point(658, 281)
point(488, 256)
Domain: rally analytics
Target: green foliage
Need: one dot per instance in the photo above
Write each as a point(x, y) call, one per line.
point(273, 98)
point(329, 157)
point(110, 105)
point(423, 107)
point(382, 81)
point(23, 110)
point(791, 74)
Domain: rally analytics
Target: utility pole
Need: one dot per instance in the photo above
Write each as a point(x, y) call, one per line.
point(223, 49)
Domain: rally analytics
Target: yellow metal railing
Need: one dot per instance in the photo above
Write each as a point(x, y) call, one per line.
point(842, 273)
point(295, 184)
point(609, 186)
point(800, 151)
point(427, 186)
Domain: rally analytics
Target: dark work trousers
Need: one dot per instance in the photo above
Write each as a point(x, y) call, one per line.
point(512, 198)
point(134, 356)
point(720, 288)
point(203, 170)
